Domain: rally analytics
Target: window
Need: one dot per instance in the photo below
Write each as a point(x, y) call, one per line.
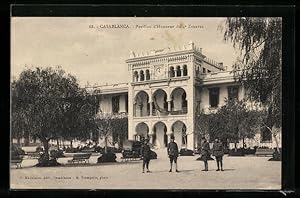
point(115, 104)
point(233, 92)
point(178, 71)
point(142, 77)
point(135, 76)
point(184, 70)
point(214, 97)
point(172, 72)
point(147, 75)
point(204, 70)
point(126, 103)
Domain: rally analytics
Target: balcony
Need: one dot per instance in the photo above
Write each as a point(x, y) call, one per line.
point(179, 112)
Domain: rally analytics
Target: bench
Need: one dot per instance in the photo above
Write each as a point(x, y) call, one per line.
point(264, 152)
point(82, 157)
point(130, 156)
point(16, 162)
point(33, 154)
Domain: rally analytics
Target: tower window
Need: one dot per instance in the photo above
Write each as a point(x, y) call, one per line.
point(142, 77)
point(185, 70)
point(178, 71)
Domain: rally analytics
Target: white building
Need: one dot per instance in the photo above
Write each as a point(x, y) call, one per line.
point(166, 89)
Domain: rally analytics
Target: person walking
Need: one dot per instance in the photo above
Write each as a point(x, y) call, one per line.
point(173, 153)
point(146, 155)
point(205, 153)
point(218, 152)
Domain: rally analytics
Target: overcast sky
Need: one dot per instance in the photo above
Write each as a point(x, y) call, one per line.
point(97, 55)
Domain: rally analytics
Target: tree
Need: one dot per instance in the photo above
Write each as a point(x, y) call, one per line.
point(234, 122)
point(48, 102)
point(107, 124)
point(120, 130)
point(259, 66)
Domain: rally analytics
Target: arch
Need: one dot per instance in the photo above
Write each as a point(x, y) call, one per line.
point(185, 71)
point(160, 138)
point(142, 76)
point(180, 132)
point(159, 98)
point(178, 101)
point(172, 72)
point(142, 131)
point(178, 71)
point(141, 105)
point(147, 74)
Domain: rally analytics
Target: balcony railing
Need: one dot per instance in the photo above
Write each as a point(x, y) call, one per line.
point(179, 112)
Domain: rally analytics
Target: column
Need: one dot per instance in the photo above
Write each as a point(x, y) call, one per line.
point(169, 105)
point(151, 108)
point(151, 137)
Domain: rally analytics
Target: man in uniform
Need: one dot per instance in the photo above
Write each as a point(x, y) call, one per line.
point(205, 153)
point(173, 153)
point(146, 153)
point(218, 152)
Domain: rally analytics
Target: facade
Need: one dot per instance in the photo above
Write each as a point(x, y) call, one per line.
point(167, 88)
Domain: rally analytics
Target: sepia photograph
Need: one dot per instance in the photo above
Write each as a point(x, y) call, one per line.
point(146, 103)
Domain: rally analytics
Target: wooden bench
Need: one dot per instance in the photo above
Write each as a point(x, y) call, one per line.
point(17, 162)
point(33, 154)
point(130, 156)
point(82, 157)
point(264, 152)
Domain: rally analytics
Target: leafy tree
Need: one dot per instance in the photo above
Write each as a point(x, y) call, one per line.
point(234, 122)
point(48, 102)
point(259, 66)
point(120, 130)
point(108, 124)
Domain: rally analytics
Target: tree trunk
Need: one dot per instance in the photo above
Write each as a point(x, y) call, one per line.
point(105, 146)
point(18, 141)
point(274, 135)
point(26, 141)
point(46, 148)
point(57, 141)
point(235, 146)
point(243, 142)
point(71, 142)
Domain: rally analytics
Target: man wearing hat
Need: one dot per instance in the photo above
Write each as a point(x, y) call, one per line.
point(218, 153)
point(205, 153)
point(146, 153)
point(173, 153)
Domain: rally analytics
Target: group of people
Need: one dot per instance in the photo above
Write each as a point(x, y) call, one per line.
point(217, 151)
point(172, 151)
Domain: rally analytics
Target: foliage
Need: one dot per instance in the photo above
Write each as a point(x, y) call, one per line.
point(260, 64)
point(108, 124)
point(234, 121)
point(47, 103)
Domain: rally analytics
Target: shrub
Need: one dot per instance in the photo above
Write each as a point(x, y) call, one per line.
point(186, 152)
point(56, 154)
point(107, 157)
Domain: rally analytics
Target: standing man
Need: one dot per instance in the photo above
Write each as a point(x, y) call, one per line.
point(146, 153)
point(205, 153)
point(218, 152)
point(173, 153)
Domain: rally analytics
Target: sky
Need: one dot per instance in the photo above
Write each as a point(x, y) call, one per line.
point(97, 56)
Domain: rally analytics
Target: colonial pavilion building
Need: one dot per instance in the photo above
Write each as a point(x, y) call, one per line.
point(167, 88)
